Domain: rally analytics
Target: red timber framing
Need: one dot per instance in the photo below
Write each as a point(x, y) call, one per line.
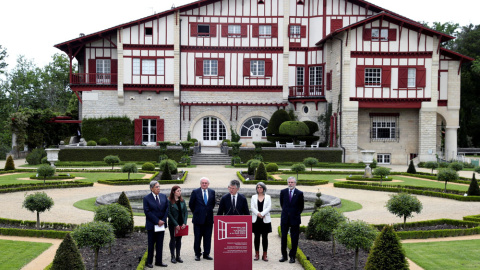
point(139, 128)
point(228, 104)
point(388, 103)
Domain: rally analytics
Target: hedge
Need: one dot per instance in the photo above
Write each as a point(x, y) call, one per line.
point(302, 259)
point(324, 172)
point(33, 233)
point(55, 177)
point(291, 155)
point(361, 178)
point(98, 153)
point(33, 224)
point(124, 182)
point(281, 182)
point(114, 129)
point(28, 187)
point(475, 218)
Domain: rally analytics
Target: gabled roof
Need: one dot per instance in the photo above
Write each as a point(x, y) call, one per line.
point(455, 55)
point(406, 23)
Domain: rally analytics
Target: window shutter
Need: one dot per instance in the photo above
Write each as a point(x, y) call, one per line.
point(403, 77)
point(92, 69)
point(329, 80)
point(221, 67)
point(386, 76)
point(193, 30)
point(303, 31)
point(255, 30)
point(367, 34)
point(246, 67)
point(243, 30)
point(360, 77)
point(114, 70)
point(289, 30)
point(392, 34)
point(213, 29)
point(274, 30)
point(199, 67)
point(160, 129)
point(268, 68)
point(224, 30)
point(137, 140)
point(421, 77)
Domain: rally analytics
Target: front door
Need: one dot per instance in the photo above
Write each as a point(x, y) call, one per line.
point(214, 131)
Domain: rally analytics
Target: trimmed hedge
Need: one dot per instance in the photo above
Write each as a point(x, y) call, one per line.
point(27, 187)
point(114, 129)
point(124, 182)
point(302, 259)
point(33, 224)
point(324, 172)
point(475, 218)
point(361, 178)
point(33, 233)
point(55, 177)
point(291, 155)
point(281, 182)
point(98, 153)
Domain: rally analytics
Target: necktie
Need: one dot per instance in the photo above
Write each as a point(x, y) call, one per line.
point(205, 196)
point(157, 200)
point(233, 202)
point(290, 194)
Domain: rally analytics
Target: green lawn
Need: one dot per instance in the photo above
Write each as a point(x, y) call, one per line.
point(89, 205)
point(456, 255)
point(16, 254)
point(89, 177)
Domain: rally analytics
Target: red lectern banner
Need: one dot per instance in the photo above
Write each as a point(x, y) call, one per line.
point(233, 242)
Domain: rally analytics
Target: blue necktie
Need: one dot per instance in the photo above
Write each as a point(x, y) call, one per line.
point(205, 196)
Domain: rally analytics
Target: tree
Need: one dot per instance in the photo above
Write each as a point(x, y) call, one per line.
point(54, 83)
point(387, 252)
point(381, 171)
point(38, 202)
point(411, 168)
point(67, 256)
point(447, 175)
point(94, 235)
point(323, 223)
point(404, 205)
point(298, 167)
point(473, 189)
point(9, 164)
point(448, 28)
point(356, 235)
point(3, 55)
point(117, 215)
point(130, 168)
point(45, 171)
point(261, 172)
point(125, 202)
point(456, 166)
point(312, 127)
point(310, 161)
point(431, 165)
point(166, 175)
point(111, 160)
point(278, 117)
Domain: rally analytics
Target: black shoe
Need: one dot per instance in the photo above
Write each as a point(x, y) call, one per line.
point(197, 258)
point(173, 260)
point(161, 264)
point(149, 265)
point(207, 257)
point(180, 260)
point(292, 260)
point(283, 259)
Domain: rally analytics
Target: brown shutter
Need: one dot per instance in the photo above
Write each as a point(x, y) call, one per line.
point(402, 77)
point(246, 67)
point(199, 67)
point(367, 34)
point(137, 138)
point(329, 80)
point(303, 31)
point(160, 130)
point(421, 77)
point(92, 70)
point(255, 30)
point(360, 77)
point(243, 30)
point(392, 34)
point(213, 30)
point(268, 68)
point(114, 70)
point(386, 76)
point(193, 30)
point(224, 30)
point(274, 30)
point(221, 67)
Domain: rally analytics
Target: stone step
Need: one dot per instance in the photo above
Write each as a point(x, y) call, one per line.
point(211, 159)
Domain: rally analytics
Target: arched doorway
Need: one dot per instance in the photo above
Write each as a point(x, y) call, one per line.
point(213, 131)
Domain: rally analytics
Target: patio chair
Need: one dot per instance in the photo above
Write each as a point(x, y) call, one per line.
point(315, 145)
point(289, 145)
point(303, 143)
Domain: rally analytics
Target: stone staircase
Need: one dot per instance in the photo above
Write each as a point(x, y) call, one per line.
point(211, 159)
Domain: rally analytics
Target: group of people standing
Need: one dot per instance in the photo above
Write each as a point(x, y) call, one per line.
point(158, 207)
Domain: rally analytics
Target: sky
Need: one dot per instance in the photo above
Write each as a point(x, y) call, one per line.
point(31, 27)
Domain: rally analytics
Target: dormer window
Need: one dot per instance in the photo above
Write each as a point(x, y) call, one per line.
point(148, 31)
point(203, 29)
point(380, 34)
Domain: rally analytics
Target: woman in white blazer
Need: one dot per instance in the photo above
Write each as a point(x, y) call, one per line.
point(260, 205)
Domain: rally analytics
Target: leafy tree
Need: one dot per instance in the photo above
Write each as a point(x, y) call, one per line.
point(382, 172)
point(447, 175)
point(276, 120)
point(252, 165)
point(38, 202)
point(125, 202)
point(431, 165)
point(323, 223)
point(54, 83)
point(356, 235)
point(117, 215)
point(448, 28)
point(94, 235)
point(9, 164)
point(3, 55)
point(166, 175)
point(45, 171)
point(411, 168)
point(111, 160)
point(130, 168)
point(312, 127)
point(298, 167)
point(67, 256)
point(473, 189)
point(261, 172)
point(310, 161)
point(404, 205)
point(457, 166)
point(387, 252)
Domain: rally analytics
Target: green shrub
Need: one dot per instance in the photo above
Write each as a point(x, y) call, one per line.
point(186, 160)
point(148, 166)
point(111, 160)
point(473, 189)
point(411, 168)
point(431, 165)
point(374, 164)
point(166, 175)
point(99, 153)
point(117, 215)
point(261, 172)
point(382, 172)
point(443, 165)
point(310, 161)
point(9, 164)
point(293, 128)
point(298, 167)
point(387, 252)
point(125, 202)
point(252, 165)
point(272, 167)
point(91, 143)
point(103, 141)
point(38, 202)
point(292, 155)
point(234, 135)
point(67, 256)
point(45, 161)
point(312, 127)
point(323, 223)
point(45, 171)
point(235, 160)
point(94, 235)
point(457, 166)
point(130, 168)
point(172, 165)
point(404, 205)
point(447, 175)
point(35, 157)
point(276, 120)
point(115, 129)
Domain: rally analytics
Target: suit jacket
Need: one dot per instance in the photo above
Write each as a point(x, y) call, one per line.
point(226, 207)
point(202, 214)
point(291, 210)
point(174, 213)
point(154, 211)
point(267, 206)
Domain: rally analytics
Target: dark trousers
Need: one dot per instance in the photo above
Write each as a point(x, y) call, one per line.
point(202, 231)
point(175, 243)
point(256, 241)
point(155, 239)
point(294, 234)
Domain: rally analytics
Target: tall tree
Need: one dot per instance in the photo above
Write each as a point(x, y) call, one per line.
point(54, 83)
point(3, 55)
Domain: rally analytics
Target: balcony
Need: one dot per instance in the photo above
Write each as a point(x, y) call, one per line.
point(306, 91)
point(93, 78)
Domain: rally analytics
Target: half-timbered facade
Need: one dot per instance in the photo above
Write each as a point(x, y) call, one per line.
point(214, 66)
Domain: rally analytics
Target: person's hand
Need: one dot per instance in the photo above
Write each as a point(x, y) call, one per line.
point(259, 215)
point(160, 222)
point(177, 228)
point(183, 226)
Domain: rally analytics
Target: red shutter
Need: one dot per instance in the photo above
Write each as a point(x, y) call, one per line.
point(114, 70)
point(274, 30)
point(386, 76)
point(198, 67)
point(255, 30)
point(243, 30)
point(303, 31)
point(367, 34)
point(137, 138)
point(92, 69)
point(246, 67)
point(288, 32)
point(160, 130)
point(360, 77)
point(329, 80)
point(402, 77)
point(193, 30)
point(421, 77)
point(221, 67)
point(224, 30)
point(268, 68)
point(213, 29)
point(392, 34)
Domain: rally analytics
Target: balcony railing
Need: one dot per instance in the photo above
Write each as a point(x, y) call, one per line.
point(306, 91)
point(93, 78)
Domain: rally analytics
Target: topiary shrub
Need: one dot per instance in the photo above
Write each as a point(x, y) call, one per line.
point(457, 166)
point(272, 167)
point(117, 215)
point(111, 160)
point(92, 143)
point(45, 171)
point(447, 175)
point(411, 168)
point(293, 128)
point(387, 252)
point(261, 172)
point(186, 159)
point(148, 166)
point(473, 189)
point(443, 164)
point(67, 256)
point(103, 141)
point(130, 168)
point(38, 202)
point(9, 164)
point(125, 202)
point(276, 120)
point(404, 205)
point(172, 165)
point(312, 127)
point(235, 160)
point(252, 165)
point(310, 161)
point(431, 165)
point(382, 172)
point(166, 175)
point(298, 167)
point(35, 157)
point(323, 223)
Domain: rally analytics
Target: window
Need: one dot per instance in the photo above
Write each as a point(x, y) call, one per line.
point(203, 29)
point(210, 67)
point(252, 125)
point(316, 79)
point(265, 30)
point(384, 128)
point(103, 71)
point(380, 34)
point(136, 66)
point(373, 77)
point(257, 68)
point(295, 31)
point(411, 77)
point(213, 129)
point(149, 131)
point(300, 78)
point(148, 31)
point(148, 66)
point(234, 30)
point(160, 66)
point(383, 158)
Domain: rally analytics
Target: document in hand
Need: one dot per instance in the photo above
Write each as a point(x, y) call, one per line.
point(159, 228)
point(181, 232)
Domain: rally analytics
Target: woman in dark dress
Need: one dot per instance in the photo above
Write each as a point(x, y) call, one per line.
point(177, 218)
point(261, 204)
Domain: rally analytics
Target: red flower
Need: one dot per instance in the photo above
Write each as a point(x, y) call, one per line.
point(13, 119)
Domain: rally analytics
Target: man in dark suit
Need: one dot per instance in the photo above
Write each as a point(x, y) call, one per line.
point(291, 201)
point(155, 206)
point(233, 203)
point(202, 202)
